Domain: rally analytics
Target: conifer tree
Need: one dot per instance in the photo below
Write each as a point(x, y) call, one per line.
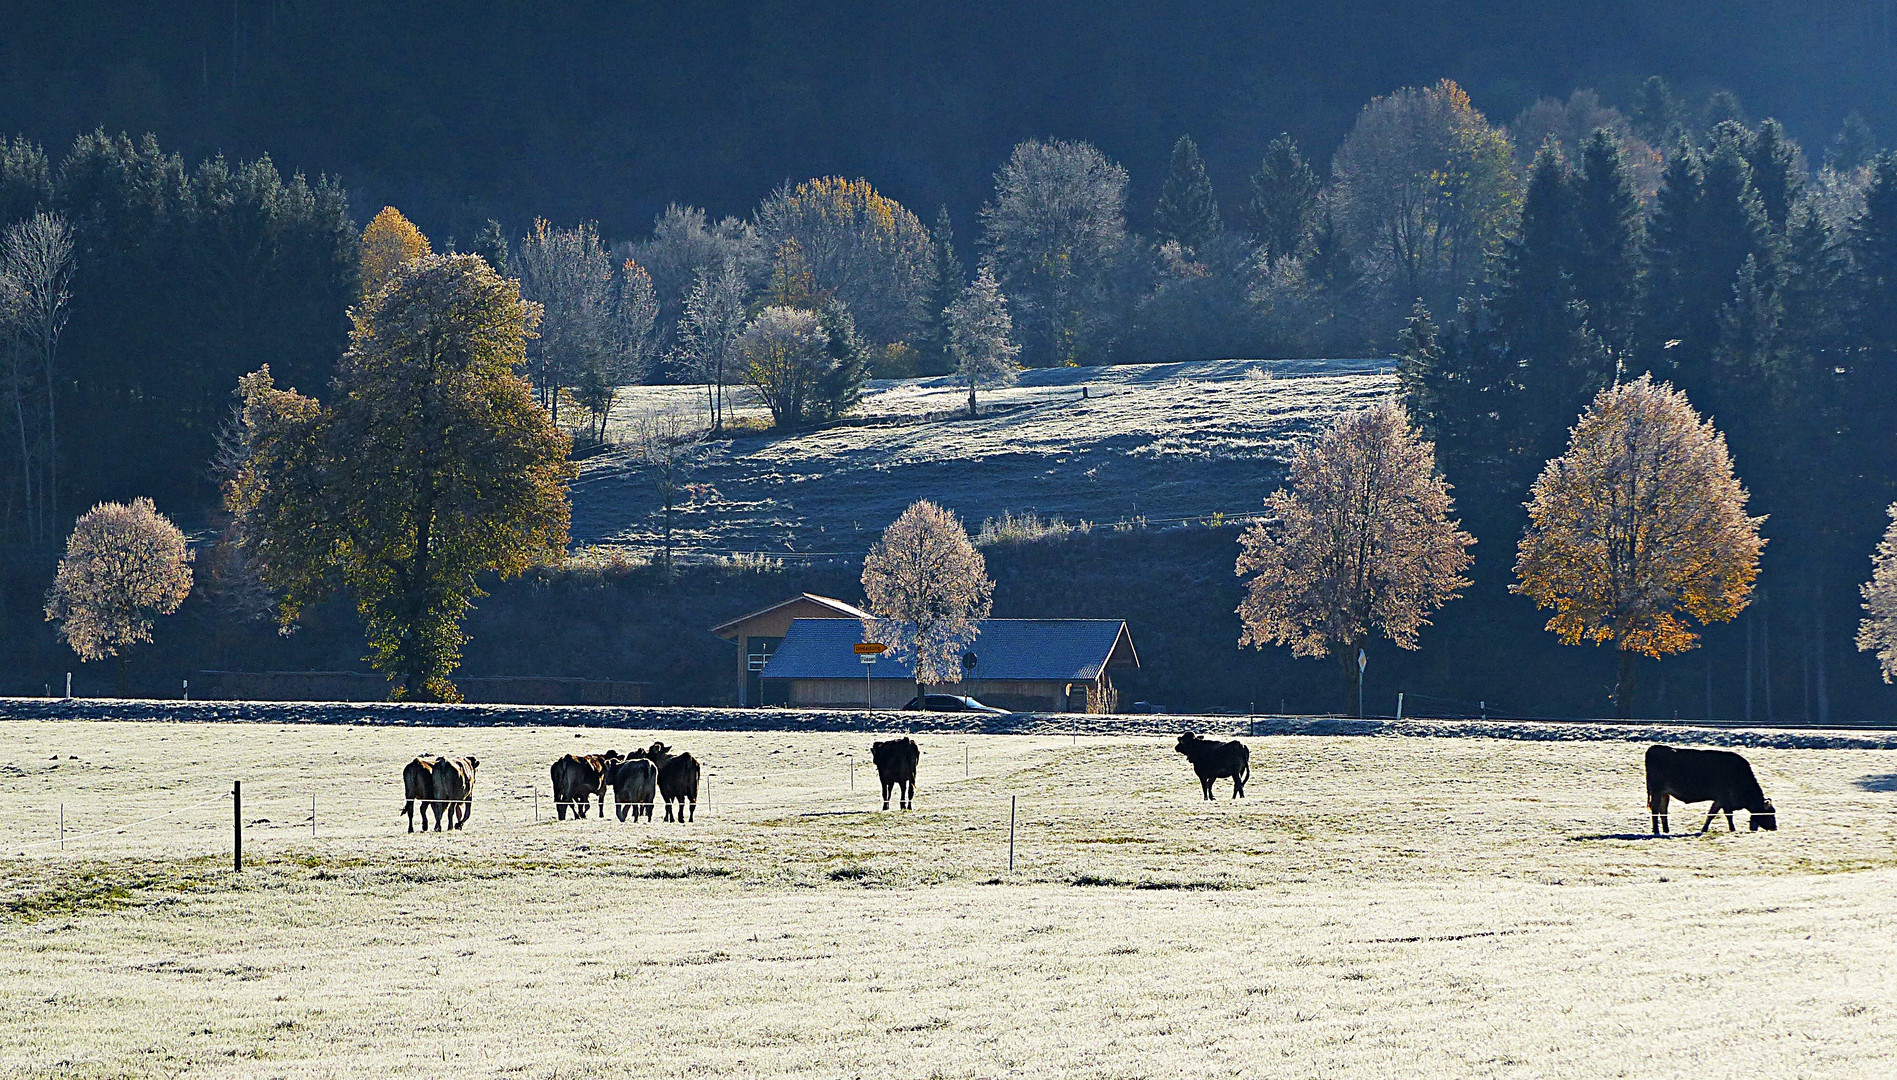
point(1608, 220)
point(1778, 171)
point(1188, 211)
point(1283, 203)
point(1657, 113)
point(1853, 146)
point(491, 245)
point(932, 334)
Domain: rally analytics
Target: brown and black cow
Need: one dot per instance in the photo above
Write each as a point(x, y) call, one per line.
point(896, 761)
point(580, 778)
point(443, 783)
point(1698, 775)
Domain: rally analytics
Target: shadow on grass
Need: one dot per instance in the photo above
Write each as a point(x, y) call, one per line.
point(1880, 782)
point(1629, 836)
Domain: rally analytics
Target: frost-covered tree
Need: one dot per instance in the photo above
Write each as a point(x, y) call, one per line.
point(685, 244)
point(981, 337)
point(1051, 236)
point(928, 589)
point(1425, 188)
point(124, 566)
point(389, 242)
point(1877, 634)
point(859, 247)
point(1361, 544)
point(1638, 527)
point(708, 333)
point(596, 324)
point(1188, 210)
point(36, 268)
point(628, 350)
point(783, 354)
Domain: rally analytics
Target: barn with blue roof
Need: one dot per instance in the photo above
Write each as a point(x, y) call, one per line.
point(1025, 665)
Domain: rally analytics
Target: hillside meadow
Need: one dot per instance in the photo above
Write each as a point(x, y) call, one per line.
point(1397, 906)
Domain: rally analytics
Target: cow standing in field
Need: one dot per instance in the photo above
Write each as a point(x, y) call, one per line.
point(1698, 775)
point(896, 766)
point(443, 783)
point(578, 778)
point(635, 781)
point(1215, 760)
point(678, 780)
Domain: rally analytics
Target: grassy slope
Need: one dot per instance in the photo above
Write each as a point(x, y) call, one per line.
point(1154, 440)
point(1414, 907)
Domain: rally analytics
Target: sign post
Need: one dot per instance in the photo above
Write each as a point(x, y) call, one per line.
point(1362, 662)
point(868, 650)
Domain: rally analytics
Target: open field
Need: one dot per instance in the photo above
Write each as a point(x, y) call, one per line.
point(1152, 440)
point(1418, 907)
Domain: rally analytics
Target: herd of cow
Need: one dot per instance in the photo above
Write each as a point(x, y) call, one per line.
point(446, 784)
point(638, 779)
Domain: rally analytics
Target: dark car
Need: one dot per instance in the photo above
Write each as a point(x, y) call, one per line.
point(952, 703)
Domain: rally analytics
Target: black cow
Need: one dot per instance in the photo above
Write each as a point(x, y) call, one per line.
point(1698, 775)
point(578, 779)
point(1214, 760)
point(634, 781)
point(678, 780)
point(896, 766)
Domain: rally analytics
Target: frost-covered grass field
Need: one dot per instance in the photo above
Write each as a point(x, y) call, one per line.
point(1414, 907)
point(1149, 440)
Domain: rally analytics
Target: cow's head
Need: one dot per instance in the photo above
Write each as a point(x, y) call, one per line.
point(1764, 818)
point(473, 763)
point(1186, 742)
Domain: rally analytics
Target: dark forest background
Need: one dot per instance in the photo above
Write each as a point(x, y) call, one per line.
point(607, 110)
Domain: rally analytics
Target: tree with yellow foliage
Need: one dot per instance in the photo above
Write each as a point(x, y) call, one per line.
point(1640, 526)
point(429, 467)
point(856, 246)
point(389, 242)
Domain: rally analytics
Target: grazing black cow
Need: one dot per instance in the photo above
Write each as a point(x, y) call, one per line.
point(634, 782)
point(1214, 760)
point(896, 766)
point(577, 778)
point(1698, 775)
point(678, 780)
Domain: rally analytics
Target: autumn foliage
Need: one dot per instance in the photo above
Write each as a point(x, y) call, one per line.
point(389, 242)
point(123, 566)
point(928, 588)
point(1638, 528)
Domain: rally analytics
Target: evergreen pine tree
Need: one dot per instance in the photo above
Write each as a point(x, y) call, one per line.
point(1778, 171)
point(839, 383)
point(1608, 219)
point(491, 245)
point(1853, 146)
point(1871, 378)
point(945, 287)
point(1283, 200)
point(1188, 211)
point(1657, 114)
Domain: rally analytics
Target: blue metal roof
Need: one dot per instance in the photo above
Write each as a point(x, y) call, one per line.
point(1040, 649)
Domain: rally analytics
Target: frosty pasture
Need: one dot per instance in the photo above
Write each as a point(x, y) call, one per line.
point(1378, 906)
point(1152, 440)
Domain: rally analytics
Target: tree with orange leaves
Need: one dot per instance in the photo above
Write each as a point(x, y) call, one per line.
point(1639, 527)
point(389, 242)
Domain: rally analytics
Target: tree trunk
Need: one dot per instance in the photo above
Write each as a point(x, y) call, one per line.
point(971, 399)
point(120, 657)
point(1624, 685)
point(1348, 657)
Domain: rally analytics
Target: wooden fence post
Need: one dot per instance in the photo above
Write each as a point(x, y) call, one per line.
point(237, 825)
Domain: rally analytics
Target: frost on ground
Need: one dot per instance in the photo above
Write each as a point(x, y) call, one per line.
point(1150, 440)
point(1396, 906)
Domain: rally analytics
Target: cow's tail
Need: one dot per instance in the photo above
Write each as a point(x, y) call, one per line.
point(408, 808)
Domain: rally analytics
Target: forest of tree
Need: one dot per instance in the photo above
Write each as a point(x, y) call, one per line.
point(1518, 243)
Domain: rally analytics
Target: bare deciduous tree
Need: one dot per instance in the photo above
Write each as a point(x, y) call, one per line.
point(669, 448)
point(929, 589)
point(1878, 632)
point(596, 325)
point(784, 352)
point(124, 566)
point(36, 265)
point(1640, 525)
point(1360, 544)
point(709, 330)
point(981, 336)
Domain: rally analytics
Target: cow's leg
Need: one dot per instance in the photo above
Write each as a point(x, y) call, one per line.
point(1729, 827)
point(559, 806)
point(1710, 815)
point(887, 787)
point(1205, 784)
point(410, 811)
point(1657, 806)
point(1238, 783)
point(909, 795)
point(681, 807)
point(668, 808)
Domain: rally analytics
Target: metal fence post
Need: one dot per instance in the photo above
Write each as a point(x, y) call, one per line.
point(237, 825)
point(1011, 799)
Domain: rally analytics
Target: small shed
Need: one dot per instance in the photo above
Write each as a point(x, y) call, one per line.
point(758, 635)
point(1025, 665)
